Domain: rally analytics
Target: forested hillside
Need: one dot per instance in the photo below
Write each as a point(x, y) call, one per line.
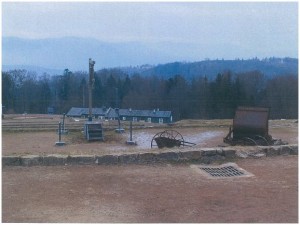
point(270, 67)
point(198, 97)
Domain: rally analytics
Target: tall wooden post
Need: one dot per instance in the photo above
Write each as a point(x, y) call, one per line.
point(91, 83)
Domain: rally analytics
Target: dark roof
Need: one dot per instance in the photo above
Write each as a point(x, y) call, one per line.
point(111, 113)
point(74, 111)
point(140, 113)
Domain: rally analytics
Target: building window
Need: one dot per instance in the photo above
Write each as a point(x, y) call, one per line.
point(134, 119)
point(124, 118)
point(161, 120)
point(149, 120)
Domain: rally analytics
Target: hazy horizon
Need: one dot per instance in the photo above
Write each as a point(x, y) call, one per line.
point(165, 32)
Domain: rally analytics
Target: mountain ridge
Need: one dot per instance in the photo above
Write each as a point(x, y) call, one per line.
point(74, 52)
point(53, 55)
point(210, 68)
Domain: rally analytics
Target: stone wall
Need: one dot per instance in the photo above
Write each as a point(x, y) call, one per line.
point(203, 155)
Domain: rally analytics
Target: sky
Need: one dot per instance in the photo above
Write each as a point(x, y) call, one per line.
point(256, 28)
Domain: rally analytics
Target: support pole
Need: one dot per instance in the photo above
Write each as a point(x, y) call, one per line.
point(119, 129)
point(59, 143)
point(130, 141)
point(90, 103)
point(59, 132)
point(91, 83)
point(117, 108)
point(62, 129)
point(118, 114)
point(130, 130)
point(63, 124)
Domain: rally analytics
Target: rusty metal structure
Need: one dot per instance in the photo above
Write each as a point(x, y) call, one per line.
point(250, 127)
point(93, 131)
point(169, 139)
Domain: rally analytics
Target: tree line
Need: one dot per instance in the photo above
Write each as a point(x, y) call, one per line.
point(196, 98)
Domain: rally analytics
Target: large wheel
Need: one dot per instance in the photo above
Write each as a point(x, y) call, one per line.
point(153, 142)
point(249, 141)
point(167, 138)
point(260, 140)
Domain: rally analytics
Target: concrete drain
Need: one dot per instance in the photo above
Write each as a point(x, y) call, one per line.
point(222, 171)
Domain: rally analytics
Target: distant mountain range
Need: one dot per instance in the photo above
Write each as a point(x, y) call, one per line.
point(73, 53)
point(37, 69)
point(52, 56)
point(269, 67)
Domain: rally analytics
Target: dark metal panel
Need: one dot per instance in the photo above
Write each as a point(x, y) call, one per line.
point(250, 121)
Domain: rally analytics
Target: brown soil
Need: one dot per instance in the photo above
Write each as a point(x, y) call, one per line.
point(151, 193)
point(44, 142)
point(146, 193)
point(202, 133)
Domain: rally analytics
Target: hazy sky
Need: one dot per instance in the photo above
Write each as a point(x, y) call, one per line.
point(270, 28)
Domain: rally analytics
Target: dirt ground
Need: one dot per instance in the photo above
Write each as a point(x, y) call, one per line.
point(145, 193)
point(43, 142)
point(151, 193)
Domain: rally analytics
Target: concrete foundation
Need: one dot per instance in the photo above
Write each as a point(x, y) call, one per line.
point(60, 143)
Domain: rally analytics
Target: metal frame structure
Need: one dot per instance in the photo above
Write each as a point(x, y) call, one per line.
point(169, 139)
point(250, 127)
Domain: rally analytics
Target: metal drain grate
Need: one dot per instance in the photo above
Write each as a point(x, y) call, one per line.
point(228, 171)
point(223, 171)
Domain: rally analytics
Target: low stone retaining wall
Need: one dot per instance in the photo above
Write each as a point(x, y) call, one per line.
point(204, 155)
